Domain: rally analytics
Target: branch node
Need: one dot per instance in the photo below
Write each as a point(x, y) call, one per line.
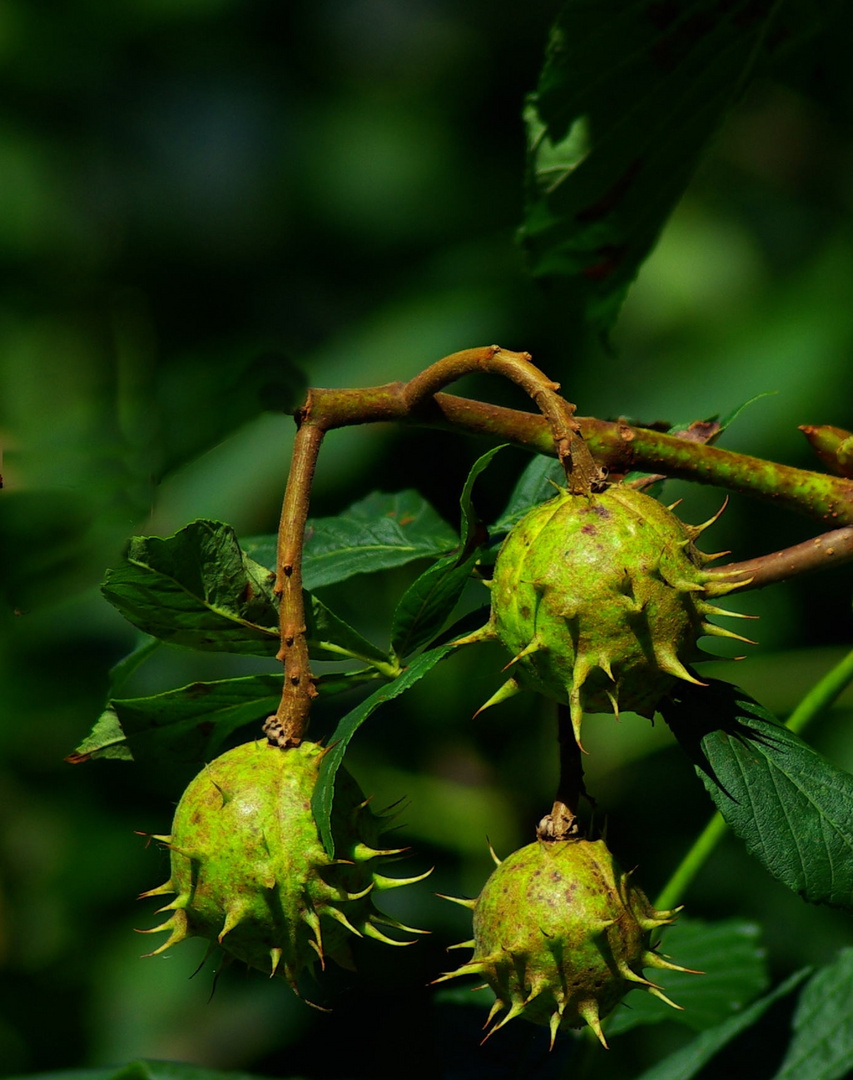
point(277, 734)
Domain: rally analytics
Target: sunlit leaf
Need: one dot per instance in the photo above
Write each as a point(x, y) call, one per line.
point(629, 96)
point(197, 589)
point(106, 740)
point(378, 532)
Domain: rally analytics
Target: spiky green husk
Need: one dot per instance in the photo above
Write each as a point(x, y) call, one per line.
point(561, 935)
point(600, 600)
point(251, 873)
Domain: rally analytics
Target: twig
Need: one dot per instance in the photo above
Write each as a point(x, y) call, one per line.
point(582, 474)
point(829, 549)
point(615, 445)
point(327, 409)
point(287, 727)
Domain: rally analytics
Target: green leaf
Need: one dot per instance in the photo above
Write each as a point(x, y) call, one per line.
point(538, 482)
point(627, 100)
point(200, 590)
point(106, 740)
point(452, 815)
point(191, 722)
point(188, 724)
point(377, 533)
point(110, 1073)
point(792, 808)
point(687, 1062)
point(733, 414)
point(733, 974)
point(197, 589)
point(705, 431)
point(428, 603)
point(822, 1044)
point(471, 526)
point(345, 681)
point(263, 549)
point(324, 792)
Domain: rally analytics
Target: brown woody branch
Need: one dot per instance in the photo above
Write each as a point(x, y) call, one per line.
point(327, 409)
point(829, 549)
point(585, 446)
point(287, 727)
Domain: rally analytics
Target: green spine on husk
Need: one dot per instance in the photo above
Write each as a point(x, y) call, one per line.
point(561, 935)
point(251, 873)
point(600, 599)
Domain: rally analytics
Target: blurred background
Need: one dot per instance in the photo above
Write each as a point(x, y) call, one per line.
point(198, 202)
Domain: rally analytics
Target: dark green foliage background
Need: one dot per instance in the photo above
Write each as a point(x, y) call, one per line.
point(199, 199)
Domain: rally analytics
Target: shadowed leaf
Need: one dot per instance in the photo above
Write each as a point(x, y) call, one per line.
point(733, 969)
point(146, 1070)
point(792, 808)
point(538, 482)
point(822, 1044)
point(191, 722)
point(428, 603)
point(688, 1061)
point(198, 589)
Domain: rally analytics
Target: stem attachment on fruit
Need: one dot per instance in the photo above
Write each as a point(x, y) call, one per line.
point(563, 822)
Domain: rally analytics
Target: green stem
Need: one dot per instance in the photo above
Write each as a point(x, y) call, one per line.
point(822, 694)
point(815, 702)
point(692, 863)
